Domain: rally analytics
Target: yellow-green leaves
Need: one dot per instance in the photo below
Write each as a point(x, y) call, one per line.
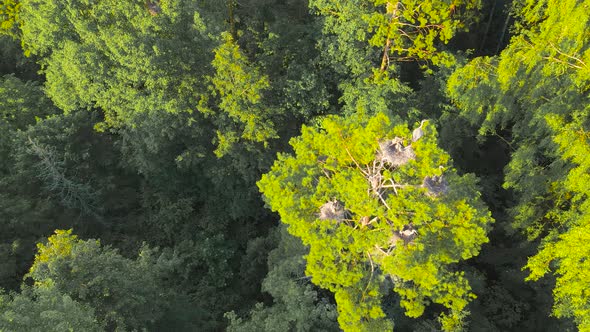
point(537, 89)
point(9, 13)
point(553, 33)
point(238, 86)
point(400, 30)
point(566, 254)
point(59, 246)
point(569, 256)
point(123, 293)
point(405, 220)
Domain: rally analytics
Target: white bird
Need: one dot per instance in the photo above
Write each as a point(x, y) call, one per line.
point(418, 132)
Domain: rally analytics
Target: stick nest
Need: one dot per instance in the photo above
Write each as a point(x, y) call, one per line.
point(333, 210)
point(407, 234)
point(153, 7)
point(436, 185)
point(394, 152)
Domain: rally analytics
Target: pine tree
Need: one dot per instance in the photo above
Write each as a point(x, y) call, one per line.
point(379, 210)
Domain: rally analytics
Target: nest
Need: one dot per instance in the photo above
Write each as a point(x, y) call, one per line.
point(394, 152)
point(407, 234)
point(436, 185)
point(333, 210)
point(394, 238)
point(153, 7)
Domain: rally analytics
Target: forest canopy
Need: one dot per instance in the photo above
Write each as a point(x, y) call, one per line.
point(294, 165)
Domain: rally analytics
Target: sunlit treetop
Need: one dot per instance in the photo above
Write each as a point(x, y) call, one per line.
point(405, 30)
point(9, 10)
point(537, 90)
point(376, 203)
point(235, 101)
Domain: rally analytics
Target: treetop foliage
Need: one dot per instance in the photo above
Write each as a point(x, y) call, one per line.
point(238, 86)
point(538, 88)
point(402, 225)
point(45, 309)
point(116, 56)
point(402, 30)
point(385, 134)
point(9, 11)
point(101, 277)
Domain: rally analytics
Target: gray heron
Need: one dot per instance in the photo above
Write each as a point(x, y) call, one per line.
point(418, 132)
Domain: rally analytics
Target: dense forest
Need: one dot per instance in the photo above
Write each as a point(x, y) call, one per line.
point(294, 165)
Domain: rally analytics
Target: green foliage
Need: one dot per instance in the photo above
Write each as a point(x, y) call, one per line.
point(366, 41)
point(9, 16)
point(123, 292)
point(404, 30)
point(538, 89)
point(45, 309)
point(22, 215)
point(67, 172)
point(567, 251)
point(72, 194)
point(239, 87)
point(22, 103)
point(173, 109)
point(285, 48)
point(296, 304)
point(354, 254)
point(376, 94)
point(14, 62)
point(116, 56)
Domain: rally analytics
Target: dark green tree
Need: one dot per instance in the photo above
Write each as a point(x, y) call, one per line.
point(117, 56)
point(45, 309)
point(124, 293)
point(297, 305)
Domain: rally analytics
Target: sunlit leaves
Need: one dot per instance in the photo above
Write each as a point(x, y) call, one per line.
point(355, 256)
point(9, 11)
point(238, 87)
point(537, 88)
point(396, 30)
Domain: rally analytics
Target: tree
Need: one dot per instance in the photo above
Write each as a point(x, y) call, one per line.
point(124, 293)
point(403, 30)
point(21, 104)
point(45, 309)
point(374, 206)
point(537, 91)
point(117, 56)
point(366, 43)
point(9, 10)
point(296, 304)
point(238, 87)
point(22, 215)
point(152, 121)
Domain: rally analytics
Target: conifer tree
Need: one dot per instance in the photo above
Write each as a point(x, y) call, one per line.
point(537, 91)
point(380, 208)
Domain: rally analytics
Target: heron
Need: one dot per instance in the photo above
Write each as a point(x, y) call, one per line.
point(418, 132)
